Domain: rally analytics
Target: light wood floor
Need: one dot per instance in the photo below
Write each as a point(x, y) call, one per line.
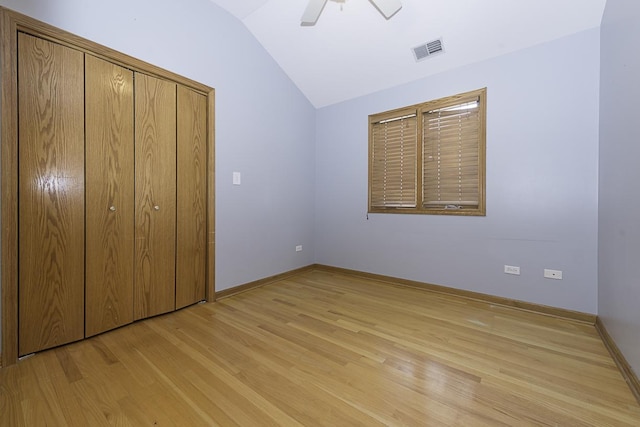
point(326, 349)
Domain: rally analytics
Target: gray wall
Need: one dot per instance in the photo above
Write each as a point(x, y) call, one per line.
point(265, 127)
point(542, 182)
point(619, 215)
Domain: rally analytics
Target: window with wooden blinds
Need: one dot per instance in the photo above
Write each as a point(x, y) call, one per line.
point(450, 147)
point(393, 162)
point(435, 166)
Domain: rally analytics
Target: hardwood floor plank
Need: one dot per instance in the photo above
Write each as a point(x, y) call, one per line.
point(71, 371)
point(10, 407)
point(224, 377)
point(327, 349)
point(171, 376)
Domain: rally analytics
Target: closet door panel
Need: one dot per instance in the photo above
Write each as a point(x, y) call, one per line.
point(110, 196)
point(192, 192)
point(155, 176)
point(51, 194)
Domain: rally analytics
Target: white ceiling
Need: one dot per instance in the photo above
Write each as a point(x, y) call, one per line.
point(354, 51)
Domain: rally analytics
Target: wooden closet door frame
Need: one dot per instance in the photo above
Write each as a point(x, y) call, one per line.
point(10, 24)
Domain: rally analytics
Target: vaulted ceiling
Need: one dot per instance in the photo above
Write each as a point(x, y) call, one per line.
point(353, 50)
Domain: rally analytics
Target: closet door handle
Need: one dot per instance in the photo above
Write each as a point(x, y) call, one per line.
point(156, 208)
point(112, 208)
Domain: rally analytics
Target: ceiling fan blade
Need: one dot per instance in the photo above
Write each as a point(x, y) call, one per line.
point(312, 12)
point(387, 7)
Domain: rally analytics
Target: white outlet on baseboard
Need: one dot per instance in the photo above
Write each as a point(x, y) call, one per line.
point(299, 248)
point(553, 274)
point(512, 269)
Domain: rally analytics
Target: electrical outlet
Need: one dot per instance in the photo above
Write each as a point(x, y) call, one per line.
point(553, 274)
point(299, 248)
point(511, 269)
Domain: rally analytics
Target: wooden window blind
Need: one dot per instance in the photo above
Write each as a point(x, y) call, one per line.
point(393, 162)
point(450, 146)
point(430, 157)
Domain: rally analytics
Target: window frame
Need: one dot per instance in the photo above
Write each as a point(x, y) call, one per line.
point(419, 110)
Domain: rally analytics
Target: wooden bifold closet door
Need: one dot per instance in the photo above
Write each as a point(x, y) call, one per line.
point(112, 194)
point(191, 243)
point(110, 197)
point(51, 194)
point(155, 180)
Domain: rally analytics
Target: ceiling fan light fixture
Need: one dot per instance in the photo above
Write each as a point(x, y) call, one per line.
point(314, 8)
point(341, 3)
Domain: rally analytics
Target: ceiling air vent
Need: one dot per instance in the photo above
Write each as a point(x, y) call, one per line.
point(428, 49)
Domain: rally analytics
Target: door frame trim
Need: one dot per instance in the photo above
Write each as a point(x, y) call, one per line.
point(11, 23)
